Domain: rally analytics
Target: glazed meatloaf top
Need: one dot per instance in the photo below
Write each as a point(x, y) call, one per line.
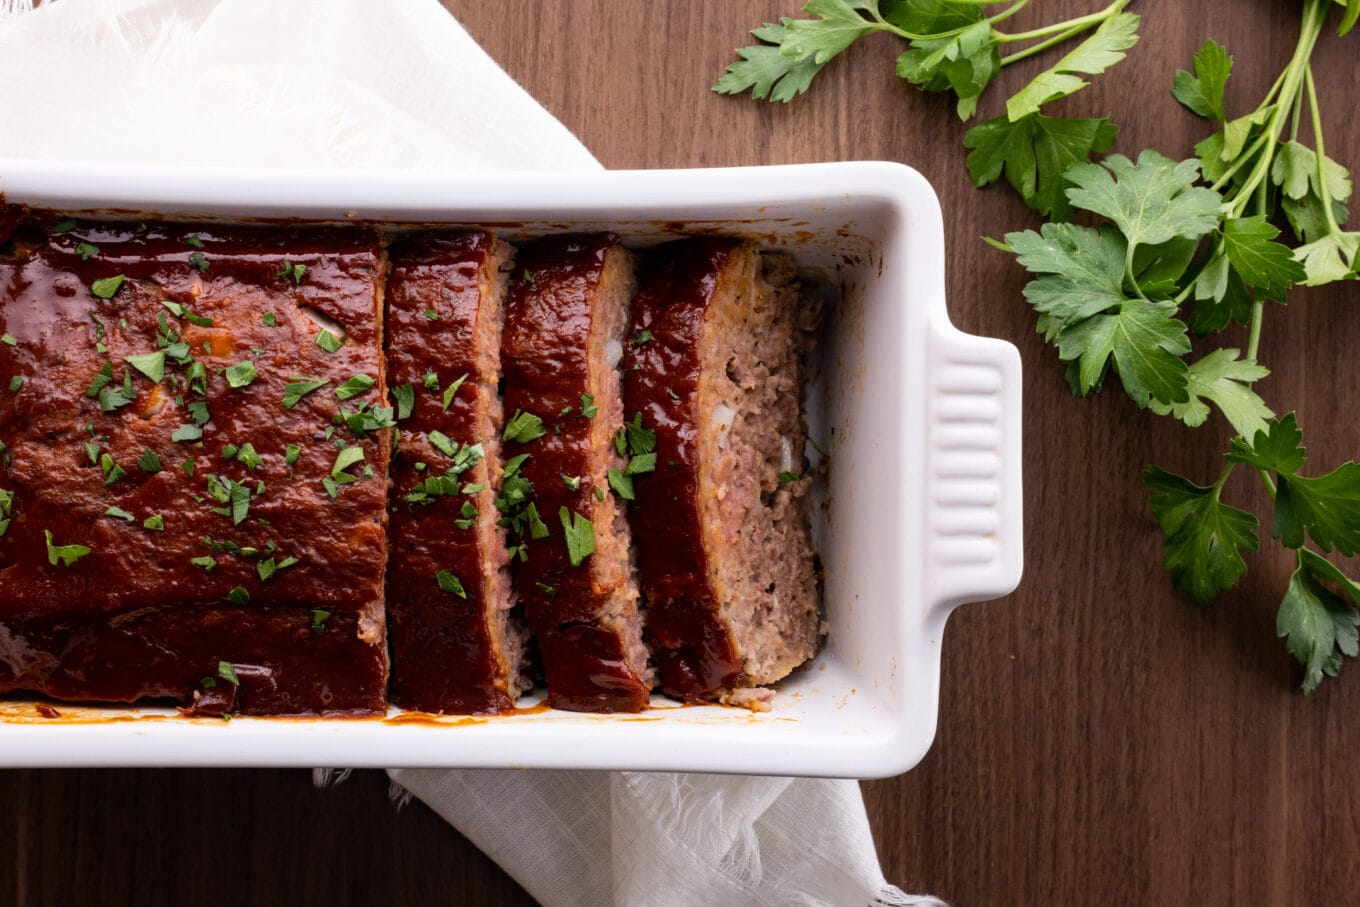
point(187, 421)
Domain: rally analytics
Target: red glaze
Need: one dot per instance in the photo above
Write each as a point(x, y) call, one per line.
point(692, 646)
point(134, 618)
point(546, 369)
point(444, 658)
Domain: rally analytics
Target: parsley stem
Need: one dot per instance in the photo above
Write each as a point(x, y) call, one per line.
point(1258, 307)
point(1318, 147)
point(1042, 46)
point(1078, 23)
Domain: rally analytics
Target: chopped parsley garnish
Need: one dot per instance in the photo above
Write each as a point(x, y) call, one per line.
point(241, 374)
point(572, 482)
point(16, 383)
point(580, 533)
point(787, 477)
point(194, 241)
point(523, 427)
point(640, 440)
point(101, 379)
point(198, 412)
point(328, 341)
point(621, 483)
point(293, 272)
point(268, 567)
point(112, 471)
point(234, 495)
point(239, 596)
point(354, 386)
point(150, 364)
point(588, 407)
point(187, 433)
point(8, 339)
point(85, 250)
point(450, 583)
point(120, 513)
point(105, 287)
point(331, 489)
point(270, 321)
point(207, 562)
point(640, 463)
point(224, 669)
point(65, 226)
point(431, 314)
point(452, 390)
point(442, 443)
point(112, 398)
point(599, 494)
point(247, 456)
point(65, 554)
point(299, 387)
point(149, 462)
point(546, 589)
point(640, 338)
point(92, 451)
point(290, 454)
point(179, 311)
point(155, 521)
point(346, 458)
point(187, 465)
point(319, 619)
point(196, 377)
point(406, 400)
point(198, 262)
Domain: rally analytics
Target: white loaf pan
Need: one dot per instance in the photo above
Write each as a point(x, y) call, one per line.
point(920, 509)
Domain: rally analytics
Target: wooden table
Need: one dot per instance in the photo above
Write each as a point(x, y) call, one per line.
point(1101, 740)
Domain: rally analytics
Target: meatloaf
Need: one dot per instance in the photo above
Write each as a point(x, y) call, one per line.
point(188, 513)
point(566, 315)
point(455, 646)
point(721, 526)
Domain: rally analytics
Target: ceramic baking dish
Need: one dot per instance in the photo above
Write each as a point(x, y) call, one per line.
point(920, 510)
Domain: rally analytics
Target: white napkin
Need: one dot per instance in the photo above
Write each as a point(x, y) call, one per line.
point(336, 84)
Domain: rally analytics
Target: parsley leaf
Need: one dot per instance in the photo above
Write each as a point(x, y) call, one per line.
point(1202, 93)
point(105, 287)
point(1151, 201)
point(1104, 48)
point(1261, 263)
point(66, 555)
point(452, 390)
point(405, 396)
point(1204, 538)
point(450, 583)
point(242, 374)
point(354, 386)
point(1034, 153)
point(1318, 626)
point(765, 71)
point(1326, 507)
point(149, 462)
point(580, 533)
point(152, 365)
point(1224, 380)
point(328, 341)
point(299, 387)
point(523, 427)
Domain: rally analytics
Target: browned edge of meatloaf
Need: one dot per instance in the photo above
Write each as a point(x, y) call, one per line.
point(724, 546)
point(566, 317)
point(459, 650)
point(287, 591)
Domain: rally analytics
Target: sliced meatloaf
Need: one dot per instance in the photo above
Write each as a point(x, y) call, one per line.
point(566, 315)
point(721, 527)
point(187, 515)
point(456, 647)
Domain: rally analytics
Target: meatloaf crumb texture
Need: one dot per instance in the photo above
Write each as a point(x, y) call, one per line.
point(171, 527)
point(724, 545)
point(454, 649)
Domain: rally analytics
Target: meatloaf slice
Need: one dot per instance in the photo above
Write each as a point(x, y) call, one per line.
point(187, 513)
point(566, 315)
point(721, 527)
point(456, 647)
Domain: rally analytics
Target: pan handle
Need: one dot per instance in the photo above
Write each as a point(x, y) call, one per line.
point(974, 503)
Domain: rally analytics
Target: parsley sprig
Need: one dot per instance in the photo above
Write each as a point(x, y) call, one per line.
point(956, 46)
point(1189, 247)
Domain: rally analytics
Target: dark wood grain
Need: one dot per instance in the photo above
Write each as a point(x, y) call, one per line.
point(1101, 740)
